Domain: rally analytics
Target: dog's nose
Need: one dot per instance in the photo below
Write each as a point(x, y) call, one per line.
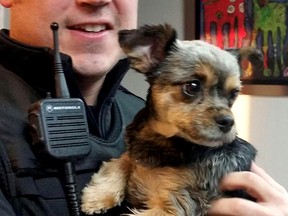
point(224, 122)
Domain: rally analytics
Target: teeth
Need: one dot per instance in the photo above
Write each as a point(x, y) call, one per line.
point(92, 28)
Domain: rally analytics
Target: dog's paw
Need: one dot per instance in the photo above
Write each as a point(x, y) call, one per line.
point(105, 190)
point(97, 200)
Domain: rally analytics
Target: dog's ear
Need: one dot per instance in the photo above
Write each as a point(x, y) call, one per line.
point(249, 58)
point(147, 46)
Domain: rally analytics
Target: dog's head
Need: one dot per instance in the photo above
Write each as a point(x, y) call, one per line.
point(192, 84)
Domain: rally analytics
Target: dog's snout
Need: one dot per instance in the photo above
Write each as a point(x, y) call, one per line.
point(225, 122)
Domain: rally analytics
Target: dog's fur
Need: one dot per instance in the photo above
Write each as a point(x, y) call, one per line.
point(184, 141)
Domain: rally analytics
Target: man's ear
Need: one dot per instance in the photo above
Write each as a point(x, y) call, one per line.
point(147, 46)
point(6, 3)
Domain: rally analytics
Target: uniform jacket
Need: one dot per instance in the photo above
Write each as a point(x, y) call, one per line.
point(31, 185)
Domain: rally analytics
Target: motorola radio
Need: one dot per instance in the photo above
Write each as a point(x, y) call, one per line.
point(59, 129)
point(58, 125)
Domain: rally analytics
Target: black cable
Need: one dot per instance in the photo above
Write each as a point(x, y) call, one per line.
point(70, 188)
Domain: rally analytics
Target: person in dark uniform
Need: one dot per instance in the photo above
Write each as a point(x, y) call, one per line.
point(94, 66)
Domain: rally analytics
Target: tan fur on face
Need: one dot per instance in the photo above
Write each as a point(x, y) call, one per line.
point(233, 82)
point(194, 118)
point(208, 75)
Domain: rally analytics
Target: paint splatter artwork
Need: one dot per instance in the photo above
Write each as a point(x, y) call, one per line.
point(231, 24)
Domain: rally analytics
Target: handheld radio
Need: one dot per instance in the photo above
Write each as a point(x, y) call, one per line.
point(59, 127)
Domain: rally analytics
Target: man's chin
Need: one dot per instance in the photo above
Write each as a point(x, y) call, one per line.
point(94, 67)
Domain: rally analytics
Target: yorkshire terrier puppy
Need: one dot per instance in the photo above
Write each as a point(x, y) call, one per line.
point(184, 141)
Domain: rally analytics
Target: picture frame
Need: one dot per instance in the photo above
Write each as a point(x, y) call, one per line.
point(234, 24)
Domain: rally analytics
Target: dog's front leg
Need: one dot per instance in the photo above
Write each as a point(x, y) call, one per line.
point(171, 203)
point(107, 187)
point(150, 212)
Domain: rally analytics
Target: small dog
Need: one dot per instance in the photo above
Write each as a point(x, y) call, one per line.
point(184, 141)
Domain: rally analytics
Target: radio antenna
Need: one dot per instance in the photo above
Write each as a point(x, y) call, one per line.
point(60, 81)
point(59, 129)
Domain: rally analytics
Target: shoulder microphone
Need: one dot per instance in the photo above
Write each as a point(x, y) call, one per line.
point(59, 128)
point(58, 125)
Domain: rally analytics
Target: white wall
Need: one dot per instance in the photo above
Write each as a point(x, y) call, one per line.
point(261, 120)
point(155, 12)
point(3, 17)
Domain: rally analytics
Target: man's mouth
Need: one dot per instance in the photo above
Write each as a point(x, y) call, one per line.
point(93, 28)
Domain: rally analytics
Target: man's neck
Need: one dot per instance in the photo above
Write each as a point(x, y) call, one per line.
point(90, 88)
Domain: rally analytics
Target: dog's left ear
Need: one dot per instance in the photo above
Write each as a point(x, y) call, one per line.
point(147, 46)
point(249, 55)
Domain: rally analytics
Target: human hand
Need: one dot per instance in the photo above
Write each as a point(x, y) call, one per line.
point(272, 198)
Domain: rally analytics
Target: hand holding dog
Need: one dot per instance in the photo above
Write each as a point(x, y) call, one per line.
point(272, 198)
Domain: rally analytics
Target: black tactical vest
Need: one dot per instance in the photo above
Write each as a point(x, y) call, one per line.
point(31, 184)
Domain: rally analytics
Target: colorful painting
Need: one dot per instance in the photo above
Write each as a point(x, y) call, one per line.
point(231, 24)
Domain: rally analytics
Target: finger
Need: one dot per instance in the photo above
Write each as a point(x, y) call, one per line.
point(259, 171)
point(252, 183)
point(236, 207)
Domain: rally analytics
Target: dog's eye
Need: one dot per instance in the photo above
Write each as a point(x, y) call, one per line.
point(233, 94)
point(192, 88)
